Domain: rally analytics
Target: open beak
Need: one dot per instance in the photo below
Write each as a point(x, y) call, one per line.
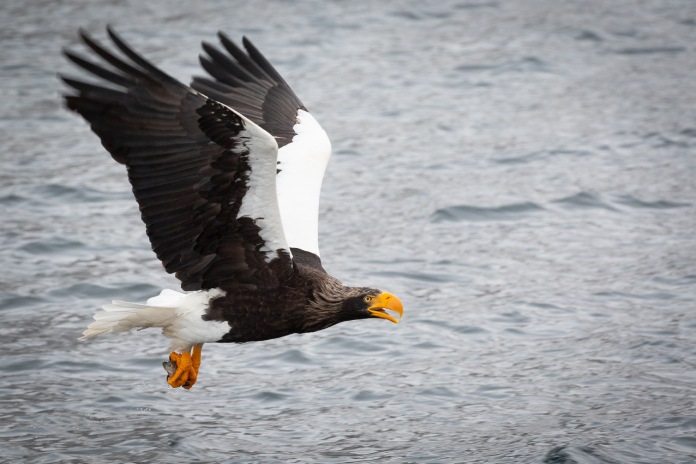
point(384, 302)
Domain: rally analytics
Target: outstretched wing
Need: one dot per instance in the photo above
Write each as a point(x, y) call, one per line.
point(246, 81)
point(203, 175)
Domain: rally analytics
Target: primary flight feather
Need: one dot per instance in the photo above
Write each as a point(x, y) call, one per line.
point(227, 174)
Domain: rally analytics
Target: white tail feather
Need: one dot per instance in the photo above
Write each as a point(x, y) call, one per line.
point(122, 316)
point(180, 315)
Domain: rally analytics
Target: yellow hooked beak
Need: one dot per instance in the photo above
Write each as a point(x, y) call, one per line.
point(386, 301)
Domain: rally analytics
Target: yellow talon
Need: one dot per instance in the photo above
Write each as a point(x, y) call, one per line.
point(187, 366)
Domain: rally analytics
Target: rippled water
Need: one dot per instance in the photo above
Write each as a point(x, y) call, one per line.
point(521, 174)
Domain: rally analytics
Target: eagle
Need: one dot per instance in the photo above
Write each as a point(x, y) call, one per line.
point(227, 174)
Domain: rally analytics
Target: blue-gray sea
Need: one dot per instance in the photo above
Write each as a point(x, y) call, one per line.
point(521, 173)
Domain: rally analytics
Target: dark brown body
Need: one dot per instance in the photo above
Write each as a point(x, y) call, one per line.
point(294, 306)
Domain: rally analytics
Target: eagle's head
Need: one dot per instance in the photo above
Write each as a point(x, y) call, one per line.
point(370, 302)
point(332, 302)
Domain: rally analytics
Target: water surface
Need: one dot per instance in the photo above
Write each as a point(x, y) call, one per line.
point(521, 174)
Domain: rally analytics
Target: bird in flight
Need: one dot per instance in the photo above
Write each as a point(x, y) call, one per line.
point(227, 174)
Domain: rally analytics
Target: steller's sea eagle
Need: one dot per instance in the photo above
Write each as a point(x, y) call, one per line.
point(227, 174)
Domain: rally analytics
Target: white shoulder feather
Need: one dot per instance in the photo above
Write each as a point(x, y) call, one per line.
point(302, 164)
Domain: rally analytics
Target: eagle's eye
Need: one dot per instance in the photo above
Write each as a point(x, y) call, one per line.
point(367, 299)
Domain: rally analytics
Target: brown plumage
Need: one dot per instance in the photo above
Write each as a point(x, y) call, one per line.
point(203, 165)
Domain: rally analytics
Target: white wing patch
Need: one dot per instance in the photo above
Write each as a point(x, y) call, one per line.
point(302, 164)
point(260, 201)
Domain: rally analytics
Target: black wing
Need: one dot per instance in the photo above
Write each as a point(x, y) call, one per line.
point(203, 176)
point(247, 82)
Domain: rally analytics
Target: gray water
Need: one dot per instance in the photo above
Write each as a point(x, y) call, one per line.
point(521, 173)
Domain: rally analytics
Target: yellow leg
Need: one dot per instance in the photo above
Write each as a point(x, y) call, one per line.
point(187, 366)
point(195, 364)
